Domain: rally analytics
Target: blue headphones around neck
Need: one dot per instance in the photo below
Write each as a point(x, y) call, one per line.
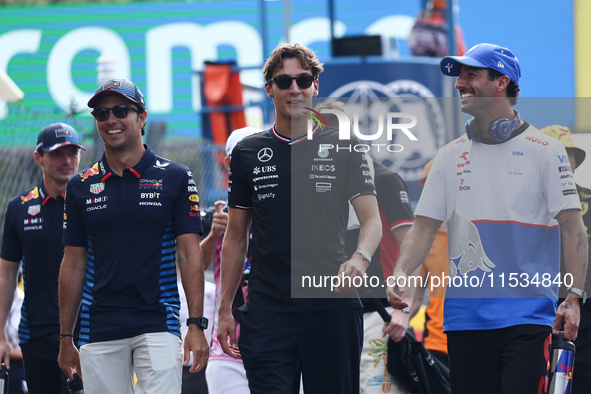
point(499, 129)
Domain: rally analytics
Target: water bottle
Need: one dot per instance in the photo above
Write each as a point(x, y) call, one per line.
point(75, 386)
point(4, 380)
point(563, 363)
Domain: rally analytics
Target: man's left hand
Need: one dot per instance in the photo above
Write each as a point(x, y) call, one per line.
point(568, 312)
point(195, 342)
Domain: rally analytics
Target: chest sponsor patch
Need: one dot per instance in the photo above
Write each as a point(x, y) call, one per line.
point(151, 184)
point(96, 207)
point(265, 154)
point(34, 209)
point(151, 203)
point(323, 187)
point(515, 165)
point(97, 200)
point(151, 195)
point(96, 188)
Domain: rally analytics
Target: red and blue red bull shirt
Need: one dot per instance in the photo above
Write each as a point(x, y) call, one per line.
point(32, 234)
point(129, 224)
point(500, 201)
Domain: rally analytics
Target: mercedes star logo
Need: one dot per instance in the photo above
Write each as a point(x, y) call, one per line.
point(265, 154)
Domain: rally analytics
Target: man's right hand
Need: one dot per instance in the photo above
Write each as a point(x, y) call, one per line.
point(394, 292)
point(227, 329)
point(69, 357)
point(5, 352)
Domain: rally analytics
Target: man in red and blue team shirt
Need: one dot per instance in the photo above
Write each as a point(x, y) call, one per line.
point(299, 218)
point(582, 371)
point(505, 189)
point(126, 217)
point(32, 234)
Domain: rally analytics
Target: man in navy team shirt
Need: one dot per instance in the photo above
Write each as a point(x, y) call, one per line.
point(32, 234)
point(126, 217)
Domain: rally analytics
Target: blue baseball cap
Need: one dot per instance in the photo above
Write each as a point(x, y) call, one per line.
point(55, 136)
point(484, 56)
point(120, 86)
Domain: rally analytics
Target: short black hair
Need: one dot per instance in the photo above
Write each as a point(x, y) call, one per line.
point(512, 89)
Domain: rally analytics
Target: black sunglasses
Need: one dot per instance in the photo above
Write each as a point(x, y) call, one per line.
point(120, 112)
point(283, 81)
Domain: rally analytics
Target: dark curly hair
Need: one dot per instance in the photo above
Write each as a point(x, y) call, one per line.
point(512, 89)
point(306, 56)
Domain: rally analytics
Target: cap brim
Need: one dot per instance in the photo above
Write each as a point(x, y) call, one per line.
point(580, 155)
point(93, 101)
point(61, 145)
point(456, 62)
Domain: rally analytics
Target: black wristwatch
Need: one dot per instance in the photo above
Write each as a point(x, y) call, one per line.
point(581, 293)
point(200, 321)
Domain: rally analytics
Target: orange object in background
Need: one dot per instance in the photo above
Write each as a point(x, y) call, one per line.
point(222, 87)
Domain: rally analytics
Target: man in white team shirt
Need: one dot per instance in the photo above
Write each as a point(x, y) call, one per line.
point(506, 190)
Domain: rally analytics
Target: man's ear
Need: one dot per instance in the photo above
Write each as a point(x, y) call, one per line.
point(143, 117)
point(37, 157)
point(502, 82)
point(268, 90)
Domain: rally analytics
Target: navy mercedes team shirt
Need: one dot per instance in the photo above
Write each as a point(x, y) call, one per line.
point(130, 225)
point(33, 233)
point(298, 192)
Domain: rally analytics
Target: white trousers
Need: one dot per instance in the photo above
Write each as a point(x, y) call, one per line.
point(226, 377)
point(375, 377)
point(156, 358)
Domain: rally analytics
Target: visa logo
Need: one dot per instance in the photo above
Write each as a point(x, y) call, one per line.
point(563, 158)
point(516, 153)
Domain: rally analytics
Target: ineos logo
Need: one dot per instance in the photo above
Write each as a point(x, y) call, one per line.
point(265, 154)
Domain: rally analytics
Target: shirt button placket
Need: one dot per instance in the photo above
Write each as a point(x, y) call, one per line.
point(123, 201)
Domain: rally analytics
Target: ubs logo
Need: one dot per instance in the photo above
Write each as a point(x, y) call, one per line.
point(265, 154)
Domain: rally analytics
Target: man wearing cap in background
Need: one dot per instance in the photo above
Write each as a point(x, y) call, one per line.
point(33, 234)
point(225, 374)
point(126, 217)
point(582, 372)
point(499, 187)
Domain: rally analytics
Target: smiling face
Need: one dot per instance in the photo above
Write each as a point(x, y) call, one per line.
point(290, 101)
point(476, 89)
point(59, 165)
point(120, 134)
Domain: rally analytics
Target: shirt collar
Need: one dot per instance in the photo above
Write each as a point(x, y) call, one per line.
point(289, 141)
point(43, 195)
point(138, 170)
